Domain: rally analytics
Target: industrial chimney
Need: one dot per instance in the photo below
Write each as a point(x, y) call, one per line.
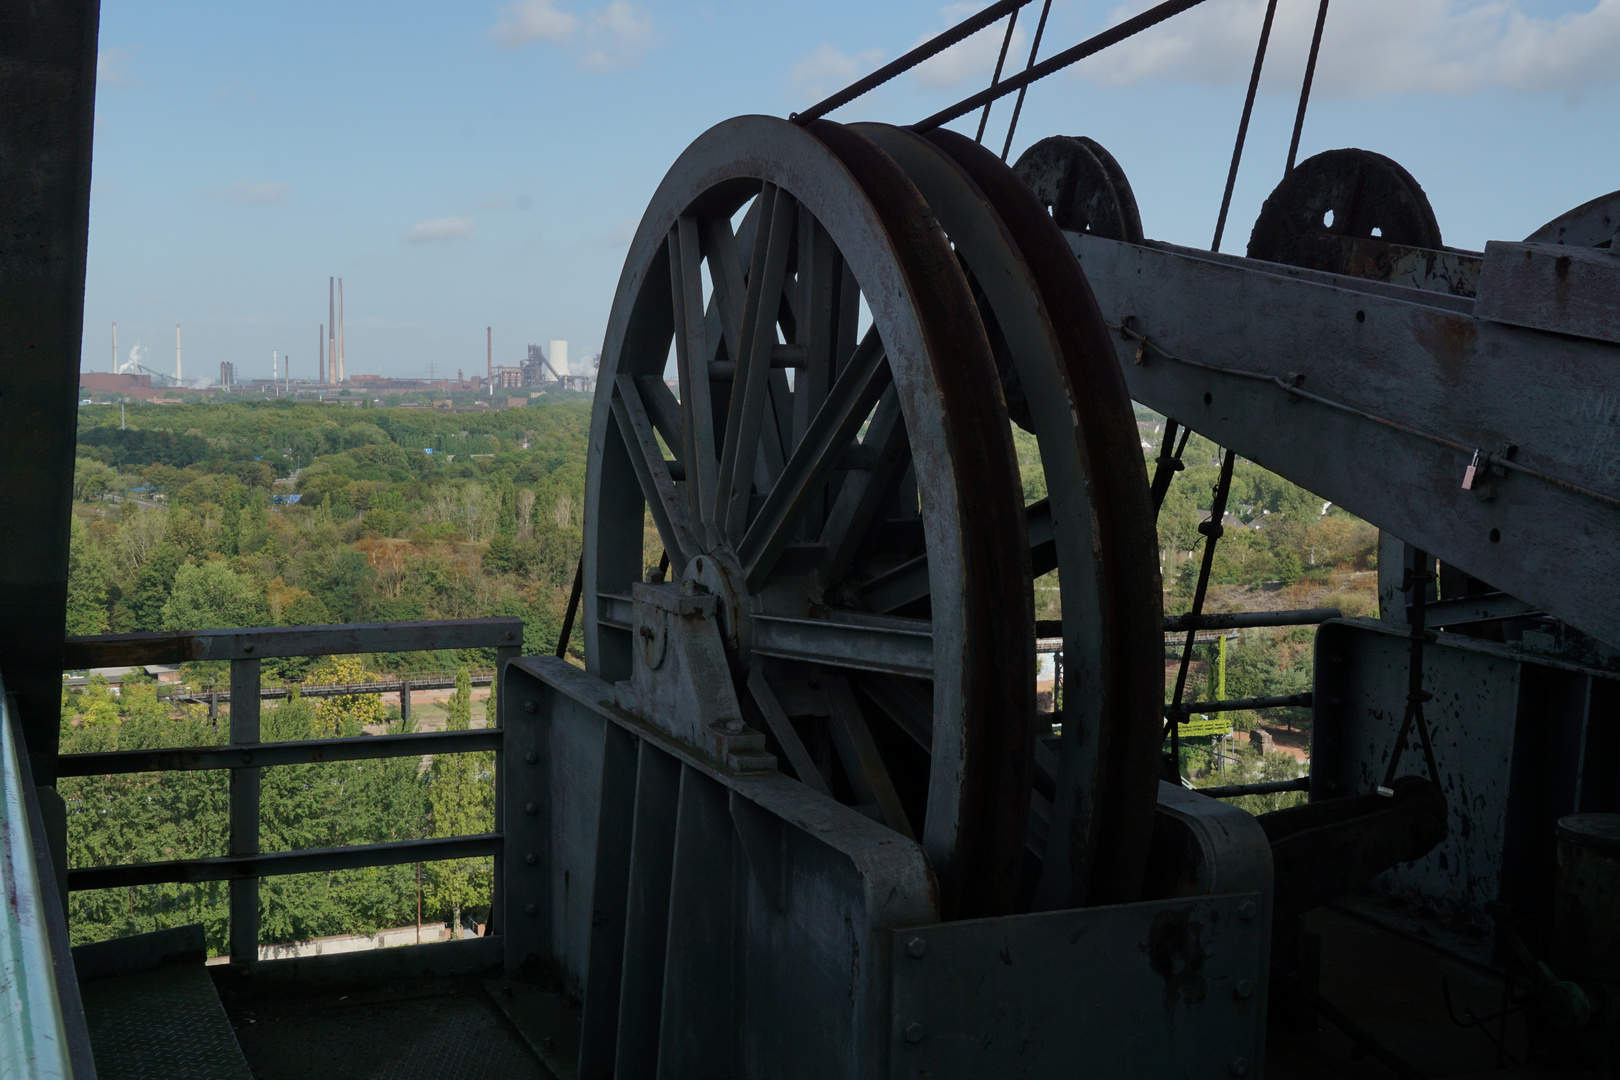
point(331, 328)
point(489, 353)
point(342, 366)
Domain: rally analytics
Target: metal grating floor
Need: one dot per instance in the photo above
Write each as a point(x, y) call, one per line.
point(444, 1029)
point(166, 1024)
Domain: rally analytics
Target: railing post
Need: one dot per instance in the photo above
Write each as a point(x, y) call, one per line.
point(244, 811)
point(405, 704)
point(509, 650)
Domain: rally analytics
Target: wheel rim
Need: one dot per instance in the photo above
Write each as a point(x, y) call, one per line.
point(1341, 193)
point(1057, 359)
point(812, 534)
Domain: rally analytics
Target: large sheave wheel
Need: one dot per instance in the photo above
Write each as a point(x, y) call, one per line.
point(840, 470)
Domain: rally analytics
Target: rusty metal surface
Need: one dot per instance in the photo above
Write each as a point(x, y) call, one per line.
point(1520, 741)
point(1586, 912)
point(1082, 187)
point(1323, 850)
point(1341, 193)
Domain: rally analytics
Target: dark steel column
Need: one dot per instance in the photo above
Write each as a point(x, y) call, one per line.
point(47, 101)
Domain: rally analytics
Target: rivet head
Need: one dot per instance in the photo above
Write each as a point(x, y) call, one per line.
point(530, 808)
point(916, 947)
point(1248, 910)
point(532, 909)
point(248, 647)
point(1238, 1066)
point(914, 1033)
point(531, 858)
point(247, 759)
point(1243, 988)
point(531, 757)
point(531, 706)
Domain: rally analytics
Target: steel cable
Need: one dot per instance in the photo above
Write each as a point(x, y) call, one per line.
point(1018, 107)
point(1305, 87)
point(1001, 60)
point(930, 48)
point(1243, 124)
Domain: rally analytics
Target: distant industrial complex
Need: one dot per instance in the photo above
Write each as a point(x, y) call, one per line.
point(500, 385)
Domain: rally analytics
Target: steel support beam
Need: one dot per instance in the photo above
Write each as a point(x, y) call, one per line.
point(1416, 383)
point(47, 100)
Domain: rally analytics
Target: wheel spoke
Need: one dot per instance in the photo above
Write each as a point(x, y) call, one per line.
point(758, 335)
point(850, 401)
point(908, 702)
point(849, 639)
point(653, 473)
point(867, 772)
point(692, 347)
point(864, 494)
point(786, 734)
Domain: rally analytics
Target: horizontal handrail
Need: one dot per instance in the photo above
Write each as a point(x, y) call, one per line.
point(274, 863)
point(1268, 787)
point(303, 752)
point(1278, 701)
point(179, 646)
point(1243, 620)
point(397, 686)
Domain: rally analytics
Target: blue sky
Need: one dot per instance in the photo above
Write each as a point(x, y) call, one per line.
point(484, 164)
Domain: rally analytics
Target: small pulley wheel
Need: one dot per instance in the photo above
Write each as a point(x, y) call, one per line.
point(1338, 194)
point(1082, 187)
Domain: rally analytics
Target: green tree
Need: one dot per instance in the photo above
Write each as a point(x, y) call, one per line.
point(461, 793)
point(212, 596)
point(89, 579)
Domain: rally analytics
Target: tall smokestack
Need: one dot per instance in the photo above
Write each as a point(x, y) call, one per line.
point(115, 347)
point(331, 328)
point(489, 353)
point(275, 373)
point(321, 370)
point(343, 366)
point(177, 375)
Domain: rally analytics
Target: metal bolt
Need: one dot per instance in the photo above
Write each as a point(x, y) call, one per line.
point(914, 1033)
point(532, 909)
point(1247, 910)
point(248, 647)
point(734, 727)
point(916, 947)
point(531, 858)
point(531, 757)
point(1238, 1066)
point(530, 808)
point(531, 706)
point(1243, 989)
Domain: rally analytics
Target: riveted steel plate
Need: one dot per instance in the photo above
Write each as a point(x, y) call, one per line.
point(1036, 995)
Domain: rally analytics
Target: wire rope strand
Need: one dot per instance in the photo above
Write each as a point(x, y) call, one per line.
point(1018, 106)
point(1243, 124)
point(930, 48)
point(984, 117)
point(1074, 54)
point(1305, 87)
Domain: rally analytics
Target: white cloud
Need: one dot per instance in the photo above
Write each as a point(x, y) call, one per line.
point(1380, 47)
point(973, 58)
point(827, 70)
point(112, 67)
point(449, 228)
point(618, 36)
point(534, 20)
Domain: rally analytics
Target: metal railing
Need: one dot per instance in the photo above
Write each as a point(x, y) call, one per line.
point(42, 1028)
point(245, 755)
